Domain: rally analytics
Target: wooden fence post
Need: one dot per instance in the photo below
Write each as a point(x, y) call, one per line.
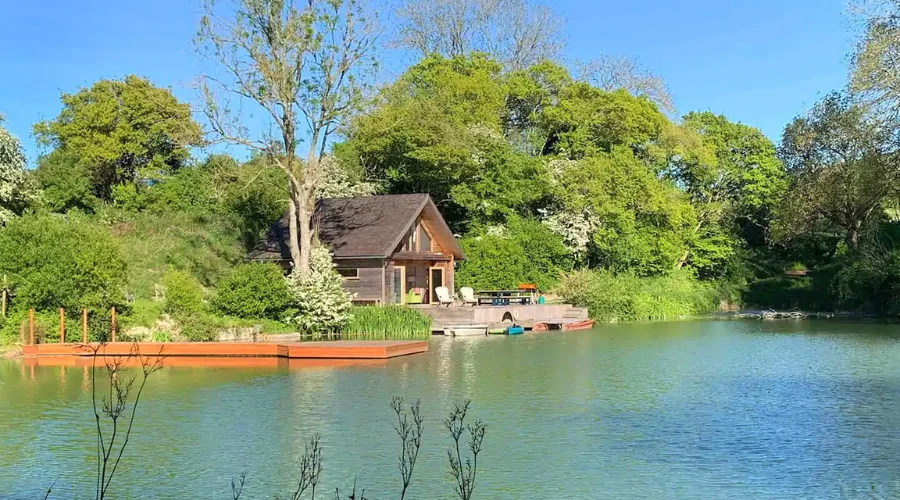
point(84, 326)
point(62, 325)
point(31, 326)
point(112, 325)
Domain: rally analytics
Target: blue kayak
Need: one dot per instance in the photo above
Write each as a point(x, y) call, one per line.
point(515, 330)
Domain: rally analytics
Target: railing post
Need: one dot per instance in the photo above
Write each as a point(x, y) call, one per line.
point(62, 325)
point(31, 326)
point(112, 325)
point(84, 326)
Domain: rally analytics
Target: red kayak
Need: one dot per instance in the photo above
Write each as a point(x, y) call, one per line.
point(586, 324)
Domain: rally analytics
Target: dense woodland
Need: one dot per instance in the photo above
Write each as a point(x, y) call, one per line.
point(580, 178)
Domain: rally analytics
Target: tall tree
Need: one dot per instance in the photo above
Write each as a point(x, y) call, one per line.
point(439, 130)
point(121, 133)
point(844, 163)
point(16, 188)
point(517, 33)
point(305, 65)
point(876, 59)
point(732, 174)
point(611, 73)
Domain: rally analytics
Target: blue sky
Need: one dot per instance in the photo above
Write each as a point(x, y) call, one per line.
point(759, 62)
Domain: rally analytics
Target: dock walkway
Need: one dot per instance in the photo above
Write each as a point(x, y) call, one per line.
point(338, 349)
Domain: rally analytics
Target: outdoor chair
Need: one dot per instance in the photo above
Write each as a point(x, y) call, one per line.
point(443, 295)
point(468, 296)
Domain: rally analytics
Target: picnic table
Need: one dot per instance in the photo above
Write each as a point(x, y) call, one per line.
point(505, 297)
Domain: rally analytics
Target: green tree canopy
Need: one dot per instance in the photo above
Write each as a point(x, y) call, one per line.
point(734, 178)
point(117, 133)
point(843, 163)
point(439, 130)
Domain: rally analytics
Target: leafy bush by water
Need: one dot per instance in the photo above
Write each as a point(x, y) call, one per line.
point(386, 323)
point(253, 291)
point(184, 296)
point(614, 298)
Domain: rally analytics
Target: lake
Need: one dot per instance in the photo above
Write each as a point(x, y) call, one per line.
point(699, 409)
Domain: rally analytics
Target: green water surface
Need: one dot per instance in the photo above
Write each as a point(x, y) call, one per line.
point(703, 409)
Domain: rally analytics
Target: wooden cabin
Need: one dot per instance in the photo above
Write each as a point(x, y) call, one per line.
point(383, 246)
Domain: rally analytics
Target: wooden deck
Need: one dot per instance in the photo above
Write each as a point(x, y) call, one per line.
point(525, 315)
point(340, 349)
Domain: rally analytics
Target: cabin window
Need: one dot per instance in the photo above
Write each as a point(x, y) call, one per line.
point(349, 273)
point(424, 240)
point(411, 241)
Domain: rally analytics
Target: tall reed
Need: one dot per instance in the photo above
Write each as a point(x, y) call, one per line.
point(386, 323)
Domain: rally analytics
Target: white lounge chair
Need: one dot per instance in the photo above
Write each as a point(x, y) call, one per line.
point(443, 295)
point(468, 296)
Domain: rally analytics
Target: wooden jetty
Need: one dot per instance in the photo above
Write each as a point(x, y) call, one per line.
point(338, 349)
point(524, 315)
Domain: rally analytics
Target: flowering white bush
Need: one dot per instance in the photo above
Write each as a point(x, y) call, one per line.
point(323, 304)
point(577, 229)
point(15, 189)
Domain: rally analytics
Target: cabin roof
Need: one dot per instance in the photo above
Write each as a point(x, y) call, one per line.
point(363, 227)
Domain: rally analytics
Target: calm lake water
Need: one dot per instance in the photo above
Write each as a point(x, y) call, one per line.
point(704, 409)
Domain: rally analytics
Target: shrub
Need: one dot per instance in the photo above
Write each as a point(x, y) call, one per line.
point(184, 296)
point(198, 327)
point(54, 261)
point(525, 251)
point(254, 291)
point(386, 323)
point(323, 306)
point(613, 298)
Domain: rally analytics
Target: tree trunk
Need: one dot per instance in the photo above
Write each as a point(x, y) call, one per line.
point(304, 216)
point(683, 260)
point(853, 237)
point(293, 230)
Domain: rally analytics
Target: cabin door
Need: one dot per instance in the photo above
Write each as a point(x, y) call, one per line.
point(399, 287)
point(437, 279)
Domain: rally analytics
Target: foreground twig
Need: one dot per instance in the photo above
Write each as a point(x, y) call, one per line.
point(310, 469)
point(410, 439)
point(464, 472)
point(114, 406)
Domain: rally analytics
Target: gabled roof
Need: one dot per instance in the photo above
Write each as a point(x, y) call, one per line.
point(363, 227)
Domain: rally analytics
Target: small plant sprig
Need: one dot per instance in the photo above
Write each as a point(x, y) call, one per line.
point(410, 433)
point(464, 472)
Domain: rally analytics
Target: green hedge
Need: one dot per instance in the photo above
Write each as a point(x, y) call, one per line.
point(386, 323)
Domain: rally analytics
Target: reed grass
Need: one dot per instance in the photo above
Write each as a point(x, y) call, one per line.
point(386, 323)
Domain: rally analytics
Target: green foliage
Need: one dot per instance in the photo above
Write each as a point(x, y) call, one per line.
point(184, 295)
point(156, 336)
point(54, 262)
point(66, 183)
point(614, 298)
point(17, 191)
point(204, 245)
point(633, 220)
point(439, 130)
point(870, 282)
point(121, 132)
point(386, 323)
point(524, 251)
point(323, 306)
point(253, 291)
point(843, 168)
point(199, 327)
